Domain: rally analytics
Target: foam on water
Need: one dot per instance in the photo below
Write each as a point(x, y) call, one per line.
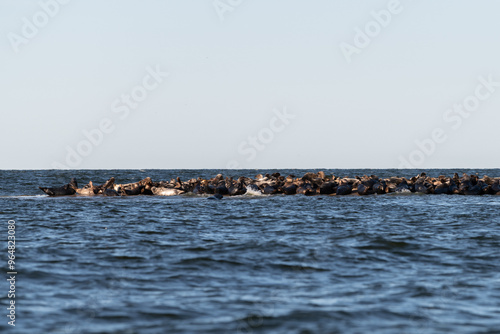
point(25, 196)
point(253, 192)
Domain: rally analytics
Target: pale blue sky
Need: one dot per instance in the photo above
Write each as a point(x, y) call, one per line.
point(228, 79)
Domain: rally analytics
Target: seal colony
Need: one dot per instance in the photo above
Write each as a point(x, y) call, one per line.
point(270, 184)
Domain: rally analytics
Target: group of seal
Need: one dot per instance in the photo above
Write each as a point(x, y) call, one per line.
point(270, 184)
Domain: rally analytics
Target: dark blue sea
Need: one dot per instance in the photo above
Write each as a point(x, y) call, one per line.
point(394, 263)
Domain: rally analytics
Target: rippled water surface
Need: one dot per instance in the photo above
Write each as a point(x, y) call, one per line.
point(402, 263)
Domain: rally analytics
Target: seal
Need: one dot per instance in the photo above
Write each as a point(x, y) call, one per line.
point(380, 187)
point(422, 186)
point(111, 192)
point(289, 188)
point(365, 187)
point(403, 186)
point(269, 189)
point(161, 191)
point(306, 188)
point(66, 190)
point(88, 190)
point(136, 188)
point(344, 188)
point(237, 188)
point(328, 188)
point(495, 187)
point(216, 196)
point(442, 188)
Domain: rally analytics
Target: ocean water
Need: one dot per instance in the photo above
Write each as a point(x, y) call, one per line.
point(395, 263)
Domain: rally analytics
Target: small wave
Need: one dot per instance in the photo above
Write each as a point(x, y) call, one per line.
point(204, 260)
point(128, 257)
point(151, 232)
point(298, 267)
point(197, 249)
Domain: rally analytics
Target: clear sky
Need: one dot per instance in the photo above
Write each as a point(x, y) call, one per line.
point(249, 84)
